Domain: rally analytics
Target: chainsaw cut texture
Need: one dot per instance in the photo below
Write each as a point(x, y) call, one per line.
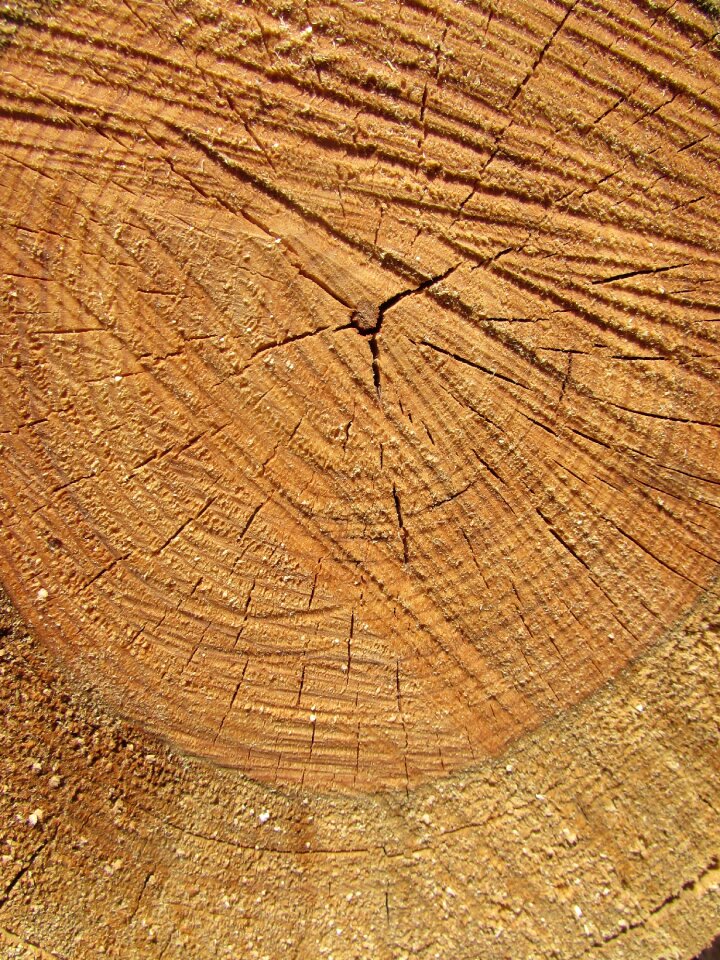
point(359, 387)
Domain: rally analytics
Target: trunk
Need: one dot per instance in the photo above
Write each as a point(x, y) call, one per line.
point(360, 406)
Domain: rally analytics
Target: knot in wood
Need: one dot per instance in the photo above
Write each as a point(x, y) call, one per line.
point(366, 317)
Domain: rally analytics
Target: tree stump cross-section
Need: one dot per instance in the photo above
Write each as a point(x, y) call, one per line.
point(359, 385)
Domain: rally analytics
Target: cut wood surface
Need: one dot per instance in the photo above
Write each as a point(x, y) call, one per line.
point(595, 838)
point(359, 421)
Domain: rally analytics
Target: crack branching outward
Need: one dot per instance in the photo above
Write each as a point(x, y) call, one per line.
point(368, 320)
point(638, 273)
point(401, 523)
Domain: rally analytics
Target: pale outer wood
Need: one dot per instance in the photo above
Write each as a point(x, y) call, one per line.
point(597, 836)
point(359, 382)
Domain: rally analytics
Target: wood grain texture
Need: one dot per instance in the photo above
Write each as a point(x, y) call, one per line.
point(359, 388)
point(594, 838)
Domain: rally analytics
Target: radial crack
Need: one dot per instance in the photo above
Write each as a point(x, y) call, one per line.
point(401, 525)
point(368, 320)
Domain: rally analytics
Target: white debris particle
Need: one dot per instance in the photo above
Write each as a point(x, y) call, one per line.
point(570, 837)
point(264, 816)
point(118, 377)
point(639, 707)
point(35, 817)
point(42, 594)
point(313, 717)
point(577, 911)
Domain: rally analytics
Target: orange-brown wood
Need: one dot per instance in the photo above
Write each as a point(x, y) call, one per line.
point(360, 402)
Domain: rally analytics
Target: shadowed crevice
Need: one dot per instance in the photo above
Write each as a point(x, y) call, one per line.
point(368, 320)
